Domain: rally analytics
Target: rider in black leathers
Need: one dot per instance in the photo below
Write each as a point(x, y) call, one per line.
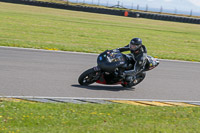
point(138, 57)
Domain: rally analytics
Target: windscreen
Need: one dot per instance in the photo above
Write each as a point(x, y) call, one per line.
point(115, 57)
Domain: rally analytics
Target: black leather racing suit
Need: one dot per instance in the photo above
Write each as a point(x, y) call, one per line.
point(139, 56)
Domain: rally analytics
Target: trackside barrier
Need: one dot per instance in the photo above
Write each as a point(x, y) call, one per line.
point(108, 11)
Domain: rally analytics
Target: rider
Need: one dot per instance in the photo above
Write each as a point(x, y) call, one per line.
point(138, 55)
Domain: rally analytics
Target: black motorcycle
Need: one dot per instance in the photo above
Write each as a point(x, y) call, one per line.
point(110, 65)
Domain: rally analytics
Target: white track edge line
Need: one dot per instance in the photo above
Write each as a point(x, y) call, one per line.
point(46, 50)
point(87, 98)
point(58, 51)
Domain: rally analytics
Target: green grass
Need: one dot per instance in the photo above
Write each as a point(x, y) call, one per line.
point(21, 117)
point(47, 28)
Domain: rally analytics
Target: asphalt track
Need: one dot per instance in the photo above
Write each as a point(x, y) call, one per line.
point(29, 72)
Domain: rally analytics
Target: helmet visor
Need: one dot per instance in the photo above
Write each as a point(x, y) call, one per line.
point(133, 47)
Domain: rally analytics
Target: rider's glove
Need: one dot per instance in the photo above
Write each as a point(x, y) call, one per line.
point(115, 50)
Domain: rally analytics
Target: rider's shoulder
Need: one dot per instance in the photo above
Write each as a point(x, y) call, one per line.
point(144, 48)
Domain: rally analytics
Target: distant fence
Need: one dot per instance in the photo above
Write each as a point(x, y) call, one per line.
point(134, 6)
point(108, 11)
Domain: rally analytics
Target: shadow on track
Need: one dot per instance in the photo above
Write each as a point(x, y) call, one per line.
point(107, 88)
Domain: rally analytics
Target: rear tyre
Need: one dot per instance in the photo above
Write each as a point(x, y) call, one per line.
point(139, 78)
point(88, 77)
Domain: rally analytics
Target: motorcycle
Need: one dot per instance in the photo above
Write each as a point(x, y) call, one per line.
point(110, 65)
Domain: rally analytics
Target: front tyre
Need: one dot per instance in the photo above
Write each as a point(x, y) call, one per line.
point(88, 77)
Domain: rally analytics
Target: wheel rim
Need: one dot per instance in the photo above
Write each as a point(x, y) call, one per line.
point(138, 79)
point(90, 78)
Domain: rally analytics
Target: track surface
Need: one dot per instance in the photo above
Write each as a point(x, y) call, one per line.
point(26, 72)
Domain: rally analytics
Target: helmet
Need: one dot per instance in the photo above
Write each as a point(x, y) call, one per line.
point(135, 43)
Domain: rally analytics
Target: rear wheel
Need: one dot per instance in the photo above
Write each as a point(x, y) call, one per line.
point(139, 78)
point(88, 77)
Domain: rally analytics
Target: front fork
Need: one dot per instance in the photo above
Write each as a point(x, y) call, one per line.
point(97, 68)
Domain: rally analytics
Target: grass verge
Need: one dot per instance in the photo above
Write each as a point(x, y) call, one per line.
point(27, 117)
point(47, 28)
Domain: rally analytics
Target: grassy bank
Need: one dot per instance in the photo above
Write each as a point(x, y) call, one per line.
point(46, 28)
point(115, 118)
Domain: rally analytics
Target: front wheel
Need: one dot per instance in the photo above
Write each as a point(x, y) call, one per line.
point(88, 77)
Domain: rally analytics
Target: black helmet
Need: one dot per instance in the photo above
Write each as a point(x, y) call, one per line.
point(135, 43)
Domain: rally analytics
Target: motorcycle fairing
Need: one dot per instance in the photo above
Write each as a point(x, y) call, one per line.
point(109, 60)
point(151, 63)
